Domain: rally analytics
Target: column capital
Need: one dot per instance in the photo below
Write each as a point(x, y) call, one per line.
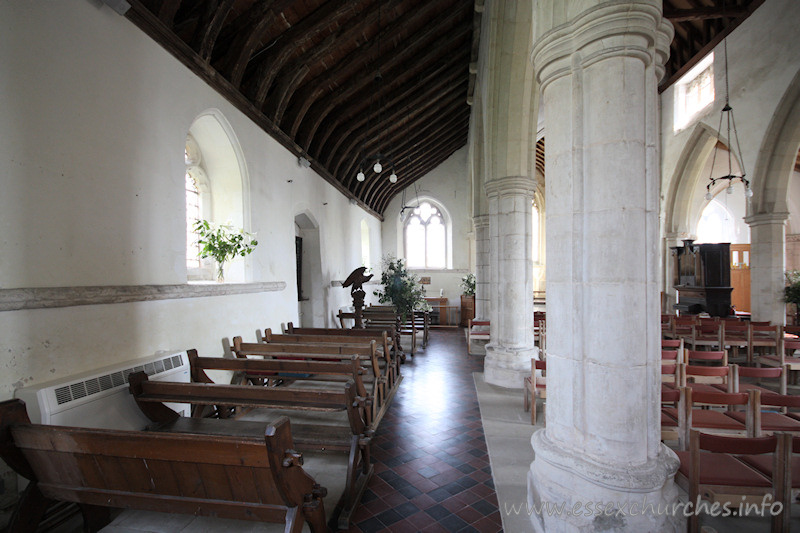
point(511, 185)
point(480, 221)
point(611, 29)
point(766, 218)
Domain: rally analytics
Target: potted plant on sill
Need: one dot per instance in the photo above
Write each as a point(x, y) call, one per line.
point(223, 242)
point(467, 298)
point(401, 288)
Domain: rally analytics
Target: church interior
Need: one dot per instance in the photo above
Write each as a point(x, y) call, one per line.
point(597, 202)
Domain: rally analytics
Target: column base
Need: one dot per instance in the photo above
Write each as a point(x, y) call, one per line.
point(598, 497)
point(506, 367)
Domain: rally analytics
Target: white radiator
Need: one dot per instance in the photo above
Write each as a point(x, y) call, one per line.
point(100, 398)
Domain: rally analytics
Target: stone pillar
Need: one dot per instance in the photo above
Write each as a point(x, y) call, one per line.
point(767, 264)
point(483, 273)
point(602, 443)
point(509, 352)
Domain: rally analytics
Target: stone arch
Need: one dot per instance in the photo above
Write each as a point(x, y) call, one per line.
point(777, 154)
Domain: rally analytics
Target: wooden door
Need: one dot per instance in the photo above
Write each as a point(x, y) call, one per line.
point(740, 276)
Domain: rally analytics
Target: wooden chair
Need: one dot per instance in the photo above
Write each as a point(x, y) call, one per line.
point(765, 337)
point(707, 335)
point(535, 387)
point(694, 412)
point(708, 357)
point(771, 420)
point(681, 327)
point(669, 424)
point(785, 356)
point(736, 336)
point(712, 469)
point(477, 334)
point(675, 345)
point(706, 378)
point(671, 376)
point(740, 375)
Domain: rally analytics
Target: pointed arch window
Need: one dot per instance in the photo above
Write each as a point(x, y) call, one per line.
point(425, 234)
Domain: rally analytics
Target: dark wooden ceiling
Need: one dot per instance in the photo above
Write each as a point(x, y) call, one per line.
point(336, 81)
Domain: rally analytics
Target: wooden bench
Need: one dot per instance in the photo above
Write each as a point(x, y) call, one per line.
point(385, 339)
point(381, 316)
point(346, 345)
point(355, 440)
point(211, 475)
point(315, 372)
point(383, 379)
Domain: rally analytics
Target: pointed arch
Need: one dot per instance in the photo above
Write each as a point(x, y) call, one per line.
point(777, 154)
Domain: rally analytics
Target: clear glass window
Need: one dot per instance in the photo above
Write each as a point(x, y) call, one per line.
point(426, 238)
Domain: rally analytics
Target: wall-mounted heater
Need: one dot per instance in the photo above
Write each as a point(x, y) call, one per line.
point(100, 398)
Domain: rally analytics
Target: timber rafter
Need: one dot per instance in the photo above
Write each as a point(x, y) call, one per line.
point(304, 71)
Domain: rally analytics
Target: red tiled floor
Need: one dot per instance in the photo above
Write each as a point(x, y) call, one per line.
point(431, 467)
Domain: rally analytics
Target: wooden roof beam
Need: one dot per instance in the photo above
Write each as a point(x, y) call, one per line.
point(702, 13)
point(353, 32)
point(298, 37)
point(410, 60)
point(413, 97)
point(248, 31)
point(360, 62)
point(314, 89)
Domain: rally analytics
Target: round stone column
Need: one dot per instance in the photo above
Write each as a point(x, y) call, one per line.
point(767, 264)
point(601, 447)
point(509, 352)
point(483, 273)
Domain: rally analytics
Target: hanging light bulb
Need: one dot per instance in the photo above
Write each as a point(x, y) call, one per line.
point(748, 192)
point(709, 196)
point(360, 176)
point(729, 190)
point(393, 178)
point(377, 167)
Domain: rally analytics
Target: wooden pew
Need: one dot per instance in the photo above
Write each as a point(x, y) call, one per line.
point(381, 317)
point(384, 379)
point(355, 440)
point(385, 342)
point(164, 472)
point(346, 345)
point(313, 371)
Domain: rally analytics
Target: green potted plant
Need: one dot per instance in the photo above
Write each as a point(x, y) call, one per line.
point(401, 288)
point(468, 285)
point(791, 292)
point(467, 298)
point(223, 242)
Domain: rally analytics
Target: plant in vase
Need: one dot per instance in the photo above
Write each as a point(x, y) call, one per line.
point(791, 292)
point(468, 285)
point(223, 242)
point(401, 288)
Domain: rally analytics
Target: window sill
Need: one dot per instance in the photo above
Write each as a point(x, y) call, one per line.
point(53, 297)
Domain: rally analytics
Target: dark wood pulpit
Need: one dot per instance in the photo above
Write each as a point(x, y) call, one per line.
point(702, 277)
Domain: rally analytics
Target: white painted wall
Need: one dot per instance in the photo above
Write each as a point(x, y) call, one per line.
point(448, 185)
point(92, 131)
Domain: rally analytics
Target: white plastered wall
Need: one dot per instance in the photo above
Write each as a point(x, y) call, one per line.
point(92, 131)
point(448, 185)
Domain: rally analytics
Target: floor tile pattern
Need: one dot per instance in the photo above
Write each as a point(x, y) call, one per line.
point(432, 471)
